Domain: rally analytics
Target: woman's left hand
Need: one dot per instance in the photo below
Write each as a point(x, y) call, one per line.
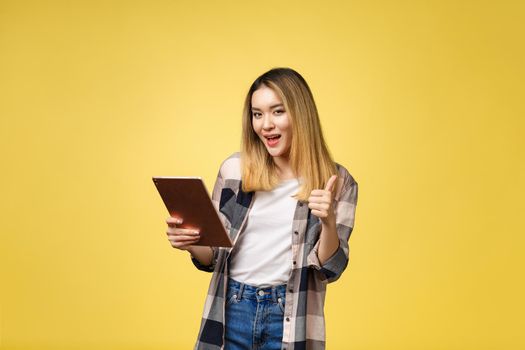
point(321, 202)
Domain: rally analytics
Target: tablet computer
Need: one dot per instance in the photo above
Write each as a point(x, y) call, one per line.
point(187, 198)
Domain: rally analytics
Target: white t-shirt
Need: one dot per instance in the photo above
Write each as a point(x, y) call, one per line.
point(262, 255)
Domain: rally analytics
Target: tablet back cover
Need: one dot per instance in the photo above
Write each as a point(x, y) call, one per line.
point(187, 198)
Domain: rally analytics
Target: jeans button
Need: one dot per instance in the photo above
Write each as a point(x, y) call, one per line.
point(261, 293)
point(279, 299)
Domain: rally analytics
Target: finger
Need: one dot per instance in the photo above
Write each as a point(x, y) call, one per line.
point(319, 214)
point(319, 206)
point(319, 193)
point(183, 246)
point(173, 221)
point(327, 198)
point(183, 238)
point(330, 184)
point(183, 231)
point(183, 242)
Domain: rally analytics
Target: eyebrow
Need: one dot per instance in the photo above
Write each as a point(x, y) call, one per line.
point(273, 106)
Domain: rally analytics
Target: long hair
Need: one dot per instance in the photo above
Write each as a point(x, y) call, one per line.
point(310, 159)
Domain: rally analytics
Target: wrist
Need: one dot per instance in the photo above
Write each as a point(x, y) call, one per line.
point(329, 223)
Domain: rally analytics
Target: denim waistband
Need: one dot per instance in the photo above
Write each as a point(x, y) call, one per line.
point(243, 290)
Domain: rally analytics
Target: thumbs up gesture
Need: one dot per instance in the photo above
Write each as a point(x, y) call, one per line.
point(321, 202)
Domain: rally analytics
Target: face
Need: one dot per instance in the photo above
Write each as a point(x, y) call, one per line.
point(271, 123)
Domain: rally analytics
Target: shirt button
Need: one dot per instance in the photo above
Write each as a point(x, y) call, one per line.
point(295, 262)
point(296, 232)
point(261, 293)
point(300, 204)
point(288, 319)
point(290, 290)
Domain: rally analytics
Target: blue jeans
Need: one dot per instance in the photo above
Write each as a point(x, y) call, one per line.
point(254, 316)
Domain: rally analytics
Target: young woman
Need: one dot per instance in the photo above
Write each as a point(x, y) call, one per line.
point(289, 210)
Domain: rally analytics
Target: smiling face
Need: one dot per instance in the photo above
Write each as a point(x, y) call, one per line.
point(271, 123)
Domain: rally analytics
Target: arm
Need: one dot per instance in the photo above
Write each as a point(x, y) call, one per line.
point(204, 258)
point(329, 241)
point(204, 255)
point(330, 254)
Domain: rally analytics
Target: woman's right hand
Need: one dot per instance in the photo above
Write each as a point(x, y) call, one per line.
point(180, 238)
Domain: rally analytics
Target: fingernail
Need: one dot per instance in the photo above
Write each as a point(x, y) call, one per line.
point(197, 232)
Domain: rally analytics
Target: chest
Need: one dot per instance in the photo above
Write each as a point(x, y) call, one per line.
point(237, 206)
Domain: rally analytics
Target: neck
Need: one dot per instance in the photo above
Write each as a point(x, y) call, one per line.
point(284, 169)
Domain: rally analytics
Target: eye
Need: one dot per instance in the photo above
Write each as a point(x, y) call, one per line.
point(279, 111)
point(255, 114)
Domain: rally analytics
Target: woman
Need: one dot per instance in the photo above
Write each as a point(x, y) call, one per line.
point(289, 210)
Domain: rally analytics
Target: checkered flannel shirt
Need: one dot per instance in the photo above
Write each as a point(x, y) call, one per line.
point(303, 323)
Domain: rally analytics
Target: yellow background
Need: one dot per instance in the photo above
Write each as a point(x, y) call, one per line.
point(421, 100)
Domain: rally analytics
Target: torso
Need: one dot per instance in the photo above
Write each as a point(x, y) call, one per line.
point(262, 254)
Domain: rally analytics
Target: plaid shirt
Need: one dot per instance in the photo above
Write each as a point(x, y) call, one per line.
point(303, 324)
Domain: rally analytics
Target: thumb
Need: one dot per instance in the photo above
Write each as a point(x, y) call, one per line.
point(330, 184)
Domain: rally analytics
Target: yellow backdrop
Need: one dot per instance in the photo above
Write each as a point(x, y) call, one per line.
point(421, 100)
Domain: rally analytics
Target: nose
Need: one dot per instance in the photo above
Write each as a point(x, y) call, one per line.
point(267, 122)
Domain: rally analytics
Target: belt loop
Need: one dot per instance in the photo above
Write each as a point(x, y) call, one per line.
point(274, 294)
point(241, 289)
point(282, 291)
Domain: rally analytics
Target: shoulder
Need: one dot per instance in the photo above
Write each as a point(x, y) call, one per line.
point(231, 166)
point(344, 173)
point(345, 179)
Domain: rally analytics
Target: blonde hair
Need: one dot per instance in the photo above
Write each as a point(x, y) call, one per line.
point(310, 159)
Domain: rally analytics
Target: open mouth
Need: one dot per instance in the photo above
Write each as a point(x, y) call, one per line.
point(273, 140)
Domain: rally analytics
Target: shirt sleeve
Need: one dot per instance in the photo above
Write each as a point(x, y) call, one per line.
point(215, 198)
point(345, 215)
